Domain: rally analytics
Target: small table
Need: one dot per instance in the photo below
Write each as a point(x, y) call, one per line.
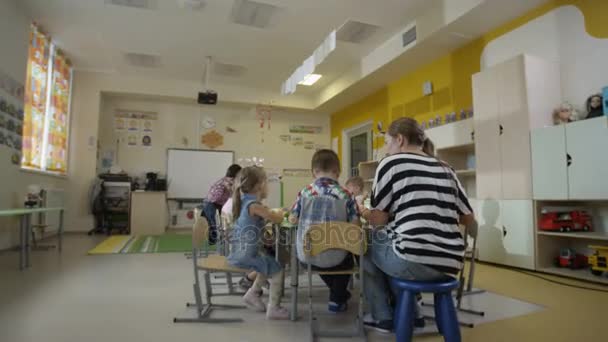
point(25, 229)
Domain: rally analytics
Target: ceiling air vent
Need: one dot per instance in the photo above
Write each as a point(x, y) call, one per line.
point(142, 60)
point(141, 4)
point(409, 36)
point(229, 70)
point(252, 13)
point(355, 31)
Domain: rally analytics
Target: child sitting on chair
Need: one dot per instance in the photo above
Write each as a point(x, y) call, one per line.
point(325, 200)
point(250, 219)
point(355, 185)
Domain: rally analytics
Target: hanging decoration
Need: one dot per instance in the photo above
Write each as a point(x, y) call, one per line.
point(264, 114)
point(212, 139)
point(230, 129)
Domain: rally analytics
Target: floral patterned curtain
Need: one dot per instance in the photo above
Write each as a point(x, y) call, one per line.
point(57, 137)
point(35, 98)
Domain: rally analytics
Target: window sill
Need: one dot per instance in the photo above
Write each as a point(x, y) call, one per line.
point(44, 173)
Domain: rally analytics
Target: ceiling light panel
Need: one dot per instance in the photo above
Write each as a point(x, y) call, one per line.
point(355, 32)
point(140, 4)
point(252, 13)
point(310, 79)
point(142, 60)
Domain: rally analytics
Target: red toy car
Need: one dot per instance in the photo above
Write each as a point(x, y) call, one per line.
point(569, 258)
point(565, 221)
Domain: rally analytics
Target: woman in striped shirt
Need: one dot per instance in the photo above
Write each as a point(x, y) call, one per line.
point(418, 202)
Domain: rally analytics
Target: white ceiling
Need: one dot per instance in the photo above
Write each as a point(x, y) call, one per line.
point(96, 36)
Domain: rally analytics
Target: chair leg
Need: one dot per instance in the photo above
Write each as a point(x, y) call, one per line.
point(404, 316)
point(445, 315)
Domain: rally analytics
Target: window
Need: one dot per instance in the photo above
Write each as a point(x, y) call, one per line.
point(47, 106)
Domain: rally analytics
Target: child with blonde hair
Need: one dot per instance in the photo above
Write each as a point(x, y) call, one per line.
point(250, 217)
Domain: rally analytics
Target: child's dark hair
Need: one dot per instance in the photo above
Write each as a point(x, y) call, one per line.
point(233, 170)
point(325, 161)
point(246, 181)
point(356, 181)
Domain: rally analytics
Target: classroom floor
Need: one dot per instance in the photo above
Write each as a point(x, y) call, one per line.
point(75, 297)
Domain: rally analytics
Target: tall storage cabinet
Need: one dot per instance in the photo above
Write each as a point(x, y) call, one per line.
point(510, 99)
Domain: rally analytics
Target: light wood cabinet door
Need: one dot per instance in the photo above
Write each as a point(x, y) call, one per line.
point(586, 143)
point(517, 223)
point(549, 163)
point(486, 125)
point(514, 130)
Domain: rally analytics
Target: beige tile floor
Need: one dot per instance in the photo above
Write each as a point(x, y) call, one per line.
point(75, 297)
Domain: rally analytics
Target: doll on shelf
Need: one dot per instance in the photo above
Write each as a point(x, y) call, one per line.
point(564, 114)
point(594, 106)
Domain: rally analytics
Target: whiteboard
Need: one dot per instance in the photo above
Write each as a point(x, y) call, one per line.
point(190, 173)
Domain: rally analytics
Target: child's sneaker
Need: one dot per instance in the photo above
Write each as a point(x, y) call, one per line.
point(277, 313)
point(334, 307)
point(254, 302)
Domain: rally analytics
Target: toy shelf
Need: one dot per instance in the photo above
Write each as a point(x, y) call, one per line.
point(576, 274)
point(575, 235)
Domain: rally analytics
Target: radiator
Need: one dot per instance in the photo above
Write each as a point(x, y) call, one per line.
point(48, 223)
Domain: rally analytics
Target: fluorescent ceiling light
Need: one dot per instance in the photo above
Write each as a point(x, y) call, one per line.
point(310, 79)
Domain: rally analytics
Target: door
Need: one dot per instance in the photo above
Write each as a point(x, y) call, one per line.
point(490, 245)
point(487, 149)
point(549, 170)
point(586, 143)
point(514, 130)
point(360, 151)
point(517, 220)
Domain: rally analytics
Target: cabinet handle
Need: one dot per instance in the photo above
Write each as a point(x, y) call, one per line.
point(504, 231)
point(568, 159)
point(500, 131)
point(473, 136)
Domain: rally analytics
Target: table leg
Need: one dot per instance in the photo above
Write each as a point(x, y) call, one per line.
point(22, 238)
point(60, 231)
point(28, 233)
point(294, 275)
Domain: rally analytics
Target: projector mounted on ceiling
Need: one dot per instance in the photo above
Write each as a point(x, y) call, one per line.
point(208, 97)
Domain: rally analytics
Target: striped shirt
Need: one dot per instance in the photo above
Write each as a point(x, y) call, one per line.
point(424, 199)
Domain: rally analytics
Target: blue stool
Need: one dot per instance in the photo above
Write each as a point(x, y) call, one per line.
point(445, 312)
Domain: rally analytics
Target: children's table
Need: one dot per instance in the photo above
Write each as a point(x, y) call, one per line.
point(25, 230)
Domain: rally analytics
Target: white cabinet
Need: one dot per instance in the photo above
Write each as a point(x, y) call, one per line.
point(509, 100)
point(506, 232)
point(487, 147)
point(451, 135)
point(586, 143)
point(549, 168)
point(569, 161)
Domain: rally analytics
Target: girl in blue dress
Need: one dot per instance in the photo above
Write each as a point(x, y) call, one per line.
point(246, 251)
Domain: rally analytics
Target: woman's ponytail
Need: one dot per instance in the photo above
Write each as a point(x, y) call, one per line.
point(428, 147)
point(236, 202)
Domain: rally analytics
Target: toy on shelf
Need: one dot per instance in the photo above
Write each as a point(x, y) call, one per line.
point(566, 221)
point(564, 114)
point(597, 260)
point(595, 107)
point(570, 259)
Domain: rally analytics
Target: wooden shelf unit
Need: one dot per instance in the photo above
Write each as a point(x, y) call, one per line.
point(583, 274)
point(460, 158)
point(549, 244)
point(367, 171)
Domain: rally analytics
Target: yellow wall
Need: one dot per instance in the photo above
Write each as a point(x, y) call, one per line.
point(450, 75)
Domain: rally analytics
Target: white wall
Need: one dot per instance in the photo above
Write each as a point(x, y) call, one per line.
point(14, 35)
point(179, 121)
point(559, 36)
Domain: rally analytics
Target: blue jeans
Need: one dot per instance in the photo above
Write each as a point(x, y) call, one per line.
point(210, 209)
point(379, 264)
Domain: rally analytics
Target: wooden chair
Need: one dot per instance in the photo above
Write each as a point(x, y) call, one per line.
point(208, 263)
point(335, 235)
